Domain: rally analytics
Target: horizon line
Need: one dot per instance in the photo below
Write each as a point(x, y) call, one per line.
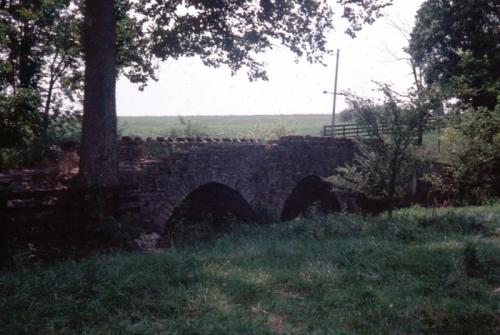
point(205, 115)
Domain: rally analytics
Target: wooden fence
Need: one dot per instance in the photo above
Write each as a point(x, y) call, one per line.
point(352, 130)
point(42, 214)
point(359, 130)
point(39, 207)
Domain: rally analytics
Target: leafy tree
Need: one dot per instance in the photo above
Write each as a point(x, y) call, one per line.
point(425, 96)
point(43, 53)
point(16, 129)
point(457, 44)
point(31, 35)
point(346, 116)
point(38, 47)
point(474, 138)
point(474, 150)
point(384, 164)
point(41, 68)
point(219, 32)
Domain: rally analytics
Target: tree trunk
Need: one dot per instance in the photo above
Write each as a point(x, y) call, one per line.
point(46, 115)
point(98, 153)
point(420, 133)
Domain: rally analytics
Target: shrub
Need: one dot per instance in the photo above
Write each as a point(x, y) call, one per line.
point(474, 137)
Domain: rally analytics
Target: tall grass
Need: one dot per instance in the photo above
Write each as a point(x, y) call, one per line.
point(334, 275)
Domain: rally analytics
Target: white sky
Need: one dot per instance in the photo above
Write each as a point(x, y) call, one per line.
point(187, 87)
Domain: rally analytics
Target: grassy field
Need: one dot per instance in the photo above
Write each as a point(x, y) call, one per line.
point(423, 272)
point(228, 126)
point(254, 126)
point(436, 147)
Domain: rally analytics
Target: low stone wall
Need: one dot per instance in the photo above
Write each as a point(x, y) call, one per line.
point(133, 149)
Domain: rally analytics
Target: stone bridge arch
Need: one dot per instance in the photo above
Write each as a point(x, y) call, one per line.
point(309, 191)
point(175, 192)
point(264, 174)
point(212, 203)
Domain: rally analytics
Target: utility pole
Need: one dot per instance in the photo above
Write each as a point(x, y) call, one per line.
point(335, 93)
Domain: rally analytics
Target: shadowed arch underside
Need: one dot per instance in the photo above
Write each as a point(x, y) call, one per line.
point(211, 208)
point(310, 191)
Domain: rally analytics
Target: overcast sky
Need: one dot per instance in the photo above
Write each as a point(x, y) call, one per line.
point(187, 87)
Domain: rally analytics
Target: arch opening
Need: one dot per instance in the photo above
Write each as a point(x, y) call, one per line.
point(209, 210)
point(310, 191)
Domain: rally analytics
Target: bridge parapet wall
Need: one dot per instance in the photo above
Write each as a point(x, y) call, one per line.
point(134, 149)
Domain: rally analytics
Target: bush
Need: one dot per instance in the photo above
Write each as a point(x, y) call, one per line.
point(474, 137)
point(272, 132)
point(32, 139)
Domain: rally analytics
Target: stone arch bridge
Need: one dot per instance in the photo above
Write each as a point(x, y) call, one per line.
point(278, 179)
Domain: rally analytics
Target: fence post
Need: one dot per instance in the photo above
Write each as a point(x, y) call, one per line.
point(4, 233)
point(81, 203)
point(343, 130)
point(116, 202)
point(439, 134)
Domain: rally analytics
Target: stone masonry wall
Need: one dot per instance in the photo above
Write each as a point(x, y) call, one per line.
point(265, 174)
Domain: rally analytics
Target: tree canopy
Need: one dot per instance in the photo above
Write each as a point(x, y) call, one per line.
point(230, 32)
point(44, 57)
point(41, 69)
point(457, 44)
point(233, 32)
point(383, 164)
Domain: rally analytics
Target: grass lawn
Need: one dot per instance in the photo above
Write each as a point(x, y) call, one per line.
point(422, 272)
point(436, 148)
